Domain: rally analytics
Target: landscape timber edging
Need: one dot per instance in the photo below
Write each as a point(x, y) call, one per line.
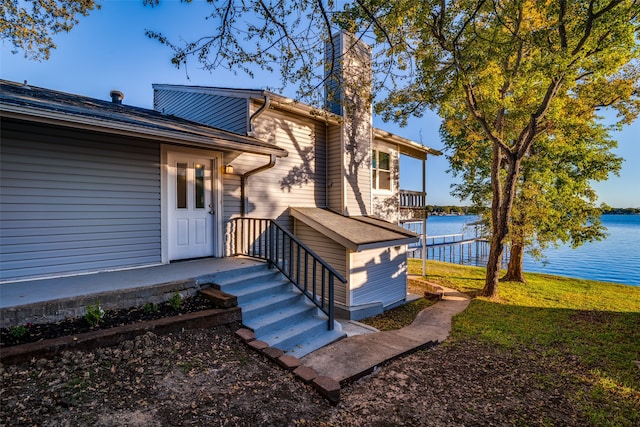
point(112, 336)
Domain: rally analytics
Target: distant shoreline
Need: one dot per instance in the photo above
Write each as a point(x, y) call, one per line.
point(433, 210)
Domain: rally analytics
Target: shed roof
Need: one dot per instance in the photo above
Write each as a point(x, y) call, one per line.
point(354, 232)
point(39, 105)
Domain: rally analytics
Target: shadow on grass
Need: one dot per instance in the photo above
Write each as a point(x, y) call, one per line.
point(603, 345)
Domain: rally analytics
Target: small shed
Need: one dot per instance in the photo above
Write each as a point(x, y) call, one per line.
point(369, 252)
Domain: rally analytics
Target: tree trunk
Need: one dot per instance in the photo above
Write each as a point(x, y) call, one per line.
point(495, 250)
point(500, 212)
point(515, 270)
point(494, 263)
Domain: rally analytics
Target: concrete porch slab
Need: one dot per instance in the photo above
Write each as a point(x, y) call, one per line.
point(41, 300)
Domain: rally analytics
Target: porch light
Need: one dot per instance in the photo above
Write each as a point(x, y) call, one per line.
point(228, 170)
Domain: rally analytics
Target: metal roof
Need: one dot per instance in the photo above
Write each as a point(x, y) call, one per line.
point(39, 105)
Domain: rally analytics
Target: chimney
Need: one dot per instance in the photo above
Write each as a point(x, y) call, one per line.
point(348, 94)
point(349, 82)
point(116, 96)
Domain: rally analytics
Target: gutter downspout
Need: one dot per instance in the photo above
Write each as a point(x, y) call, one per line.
point(272, 158)
point(265, 106)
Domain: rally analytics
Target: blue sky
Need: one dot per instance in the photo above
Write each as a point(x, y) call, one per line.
point(109, 50)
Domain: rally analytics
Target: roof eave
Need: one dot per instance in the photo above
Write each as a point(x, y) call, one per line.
point(45, 116)
point(408, 147)
point(387, 243)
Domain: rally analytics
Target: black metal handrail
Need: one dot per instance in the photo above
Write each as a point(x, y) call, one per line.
point(265, 239)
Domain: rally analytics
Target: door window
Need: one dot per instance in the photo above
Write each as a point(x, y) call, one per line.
point(181, 185)
point(199, 187)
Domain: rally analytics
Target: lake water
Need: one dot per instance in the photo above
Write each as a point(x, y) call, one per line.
point(615, 259)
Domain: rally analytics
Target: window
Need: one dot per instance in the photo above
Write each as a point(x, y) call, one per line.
point(381, 167)
point(199, 186)
point(181, 185)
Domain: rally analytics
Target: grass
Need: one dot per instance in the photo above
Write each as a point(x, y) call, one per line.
point(559, 318)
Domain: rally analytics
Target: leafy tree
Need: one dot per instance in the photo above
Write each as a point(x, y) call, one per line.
point(518, 71)
point(514, 72)
point(30, 24)
point(554, 200)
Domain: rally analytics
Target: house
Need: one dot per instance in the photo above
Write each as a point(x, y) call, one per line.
point(91, 185)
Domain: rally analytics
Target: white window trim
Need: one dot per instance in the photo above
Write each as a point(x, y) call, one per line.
point(374, 185)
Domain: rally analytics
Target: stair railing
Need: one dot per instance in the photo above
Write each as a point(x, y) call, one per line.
point(265, 239)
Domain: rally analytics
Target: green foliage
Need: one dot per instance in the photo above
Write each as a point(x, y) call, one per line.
point(518, 86)
point(18, 331)
point(30, 24)
point(554, 200)
point(455, 210)
point(94, 315)
point(559, 318)
point(175, 301)
point(150, 308)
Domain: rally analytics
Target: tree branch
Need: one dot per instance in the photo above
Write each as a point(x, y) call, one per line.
point(561, 27)
point(590, 20)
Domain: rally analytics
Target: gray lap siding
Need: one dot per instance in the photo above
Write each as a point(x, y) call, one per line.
point(223, 112)
point(76, 202)
point(296, 180)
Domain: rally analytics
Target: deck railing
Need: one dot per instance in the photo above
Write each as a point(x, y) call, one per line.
point(265, 239)
point(412, 199)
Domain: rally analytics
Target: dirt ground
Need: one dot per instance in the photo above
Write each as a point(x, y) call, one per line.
point(210, 378)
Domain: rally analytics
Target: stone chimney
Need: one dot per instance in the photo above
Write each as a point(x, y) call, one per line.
point(348, 94)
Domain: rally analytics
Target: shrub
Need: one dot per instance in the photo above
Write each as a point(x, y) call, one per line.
point(18, 331)
point(94, 315)
point(175, 301)
point(150, 307)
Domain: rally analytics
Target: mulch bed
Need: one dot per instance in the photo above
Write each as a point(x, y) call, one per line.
point(28, 333)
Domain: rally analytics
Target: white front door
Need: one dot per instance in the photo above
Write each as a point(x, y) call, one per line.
point(191, 206)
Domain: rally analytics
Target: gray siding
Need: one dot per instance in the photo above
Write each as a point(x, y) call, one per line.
point(334, 168)
point(330, 251)
point(348, 90)
point(222, 112)
point(296, 180)
point(231, 198)
point(357, 129)
point(379, 275)
point(357, 164)
point(76, 202)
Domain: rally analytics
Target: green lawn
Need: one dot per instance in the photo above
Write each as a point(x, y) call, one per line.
point(558, 319)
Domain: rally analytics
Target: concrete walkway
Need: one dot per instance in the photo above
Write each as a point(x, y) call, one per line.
point(358, 355)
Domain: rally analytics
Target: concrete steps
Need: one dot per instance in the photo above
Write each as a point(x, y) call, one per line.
point(277, 312)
